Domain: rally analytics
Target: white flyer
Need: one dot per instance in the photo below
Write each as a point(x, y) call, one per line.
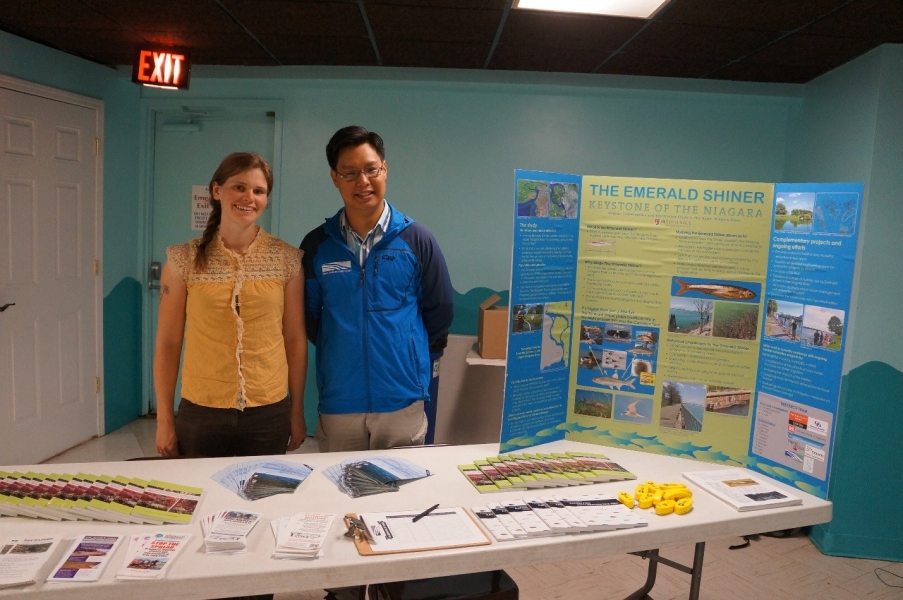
point(21, 558)
point(150, 555)
point(86, 559)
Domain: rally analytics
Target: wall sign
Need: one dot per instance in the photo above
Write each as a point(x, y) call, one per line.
point(162, 67)
point(200, 207)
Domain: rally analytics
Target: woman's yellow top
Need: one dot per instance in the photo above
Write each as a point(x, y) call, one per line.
point(234, 349)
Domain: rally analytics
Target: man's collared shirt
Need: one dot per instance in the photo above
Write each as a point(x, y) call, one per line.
point(362, 247)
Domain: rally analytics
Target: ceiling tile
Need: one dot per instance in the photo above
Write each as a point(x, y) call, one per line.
point(318, 19)
point(53, 13)
point(307, 50)
point(167, 15)
point(771, 15)
point(433, 24)
point(876, 19)
point(442, 55)
point(699, 42)
point(811, 51)
point(106, 46)
point(544, 58)
point(487, 4)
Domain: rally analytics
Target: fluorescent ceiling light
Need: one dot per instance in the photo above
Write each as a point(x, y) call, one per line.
point(643, 9)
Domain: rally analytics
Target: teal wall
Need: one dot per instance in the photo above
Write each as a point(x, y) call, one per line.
point(850, 127)
point(454, 139)
point(121, 221)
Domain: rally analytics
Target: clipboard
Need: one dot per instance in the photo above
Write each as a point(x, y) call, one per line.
point(357, 531)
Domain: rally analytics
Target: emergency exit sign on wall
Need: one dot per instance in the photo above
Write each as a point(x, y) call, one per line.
point(162, 67)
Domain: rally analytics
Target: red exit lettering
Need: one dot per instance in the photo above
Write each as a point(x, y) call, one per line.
point(161, 67)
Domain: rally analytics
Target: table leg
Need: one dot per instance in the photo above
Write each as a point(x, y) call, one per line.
point(653, 556)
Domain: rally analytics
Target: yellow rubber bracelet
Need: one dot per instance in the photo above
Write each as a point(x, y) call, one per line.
point(676, 494)
point(665, 507)
point(626, 499)
point(645, 500)
point(683, 506)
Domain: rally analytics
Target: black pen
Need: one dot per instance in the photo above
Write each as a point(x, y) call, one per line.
point(425, 513)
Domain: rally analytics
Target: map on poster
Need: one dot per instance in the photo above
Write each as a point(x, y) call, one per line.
point(701, 319)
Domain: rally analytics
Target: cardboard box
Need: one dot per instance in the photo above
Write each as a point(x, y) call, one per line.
point(492, 331)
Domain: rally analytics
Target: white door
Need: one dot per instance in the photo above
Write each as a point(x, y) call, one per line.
point(49, 232)
point(189, 144)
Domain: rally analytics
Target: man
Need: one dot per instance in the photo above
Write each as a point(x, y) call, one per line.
point(378, 304)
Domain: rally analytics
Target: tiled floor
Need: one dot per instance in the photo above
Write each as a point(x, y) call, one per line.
point(770, 568)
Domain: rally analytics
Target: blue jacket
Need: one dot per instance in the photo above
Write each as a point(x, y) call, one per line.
point(375, 325)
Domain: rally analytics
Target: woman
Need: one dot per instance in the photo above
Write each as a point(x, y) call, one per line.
point(234, 297)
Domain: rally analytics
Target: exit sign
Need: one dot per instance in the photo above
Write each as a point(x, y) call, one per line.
point(162, 67)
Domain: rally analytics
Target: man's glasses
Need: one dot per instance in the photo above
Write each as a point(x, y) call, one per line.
point(369, 173)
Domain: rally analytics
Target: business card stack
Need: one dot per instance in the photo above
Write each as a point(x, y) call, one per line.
point(258, 479)
point(150, 555)
point(226, 532)
point(509, 472)
point(301, 536)
point(373, 475)
point(558, 515)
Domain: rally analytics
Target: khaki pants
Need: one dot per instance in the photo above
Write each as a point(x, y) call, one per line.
point(371, 431)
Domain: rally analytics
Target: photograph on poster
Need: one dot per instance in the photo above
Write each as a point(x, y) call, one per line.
point(822, 327)
point(727, 401)
point(735, 320)
point(835, 213)
point(633, 409)
point(793, 212)
point(690, 316)
point(626, 360)
point(781, 315)
point(592, 404)
point(563, 200)
point(532, 198)
point(591, 334)
point(526, 318)
point(556, 336)
point(682, 405)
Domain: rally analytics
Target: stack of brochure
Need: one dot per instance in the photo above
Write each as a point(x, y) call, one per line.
point(556, 515)
point(87, 497)
point(260, 479)
point(522, 471)
point(742, 489)
point(86, 559)
point(373, 475)
point(302, 535)
point(226, 532)
point(22, 557)
point(150, 555)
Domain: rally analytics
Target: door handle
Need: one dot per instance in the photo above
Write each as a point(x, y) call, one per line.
point(153, 274)
point(5, 306)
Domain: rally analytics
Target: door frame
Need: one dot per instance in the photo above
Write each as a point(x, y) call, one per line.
point(49, 93)
point(147, 126)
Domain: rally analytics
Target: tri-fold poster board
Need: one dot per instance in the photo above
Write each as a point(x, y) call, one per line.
point(701, 319)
